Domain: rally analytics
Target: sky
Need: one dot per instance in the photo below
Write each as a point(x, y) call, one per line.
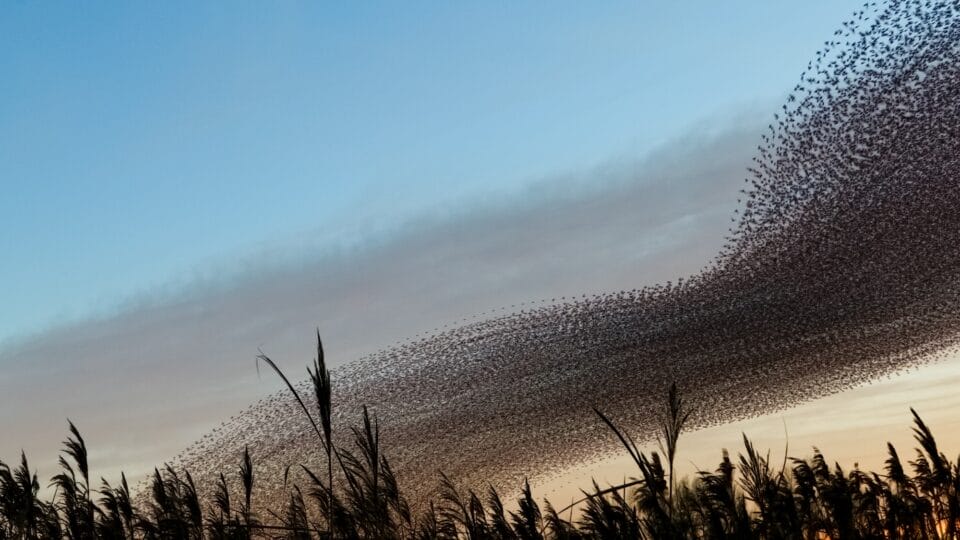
point(183, 184)
point(145, 147)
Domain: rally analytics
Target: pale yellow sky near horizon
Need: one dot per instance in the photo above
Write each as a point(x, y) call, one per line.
point(849, 427)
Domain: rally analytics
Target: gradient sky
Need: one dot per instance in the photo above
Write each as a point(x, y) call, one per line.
point(184, 183)
point(145, 147)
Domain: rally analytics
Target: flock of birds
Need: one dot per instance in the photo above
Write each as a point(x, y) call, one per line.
point(843, 265)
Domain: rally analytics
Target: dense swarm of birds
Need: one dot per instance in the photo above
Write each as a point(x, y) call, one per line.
point(842, 266)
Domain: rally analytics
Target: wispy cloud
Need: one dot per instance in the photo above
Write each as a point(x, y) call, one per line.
point(145, 381)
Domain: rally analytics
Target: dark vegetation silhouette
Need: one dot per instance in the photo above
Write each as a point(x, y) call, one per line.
point(360, 497)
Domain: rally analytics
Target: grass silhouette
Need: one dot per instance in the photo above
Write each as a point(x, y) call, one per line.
point(360, 497)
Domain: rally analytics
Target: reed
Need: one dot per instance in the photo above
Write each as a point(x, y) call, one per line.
point(361, 497)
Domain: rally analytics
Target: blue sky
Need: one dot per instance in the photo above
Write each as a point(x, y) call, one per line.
point(147, 145)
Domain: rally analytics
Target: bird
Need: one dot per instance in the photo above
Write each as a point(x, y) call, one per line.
point(842, 266)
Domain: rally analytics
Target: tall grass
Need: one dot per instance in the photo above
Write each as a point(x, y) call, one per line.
point(359, 496)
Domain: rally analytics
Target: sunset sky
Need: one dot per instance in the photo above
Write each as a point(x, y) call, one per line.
point(183, 186)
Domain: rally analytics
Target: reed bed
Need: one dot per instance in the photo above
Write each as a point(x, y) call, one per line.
point(359, 496)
